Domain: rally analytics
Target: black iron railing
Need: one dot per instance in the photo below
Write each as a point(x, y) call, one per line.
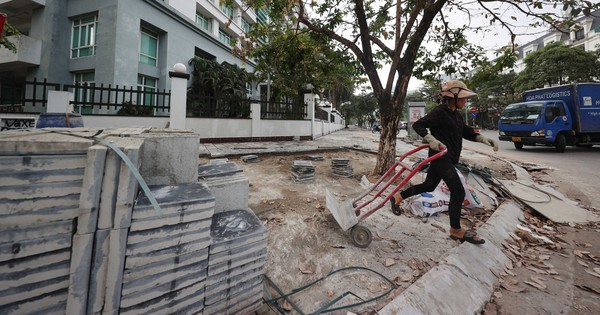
point(218, 107)
point(25, 96)
point(282, 110)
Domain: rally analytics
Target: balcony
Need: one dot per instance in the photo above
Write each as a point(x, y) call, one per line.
point(19, 12)
point(29, 53)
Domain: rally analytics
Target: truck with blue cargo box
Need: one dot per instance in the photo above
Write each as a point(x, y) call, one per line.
point(556, 116)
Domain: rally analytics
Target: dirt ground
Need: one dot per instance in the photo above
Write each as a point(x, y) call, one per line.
point(306, 243)
point(312, 257)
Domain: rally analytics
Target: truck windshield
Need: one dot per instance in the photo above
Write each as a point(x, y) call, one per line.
point(521, 112)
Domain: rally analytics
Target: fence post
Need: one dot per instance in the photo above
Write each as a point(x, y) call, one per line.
point(178, 98)
point(309, 100)
point(256, 114)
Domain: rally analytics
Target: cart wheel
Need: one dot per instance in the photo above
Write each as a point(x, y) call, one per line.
point(361, 236)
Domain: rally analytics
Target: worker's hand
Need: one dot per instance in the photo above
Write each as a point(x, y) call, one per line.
point(488, 141)
point(434, 143)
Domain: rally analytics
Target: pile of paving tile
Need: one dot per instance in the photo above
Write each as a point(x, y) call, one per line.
point(249, 158)
point(303, 171)
point(236, 263)
point(341, 167)
point(166, 256)
point(227, 183)
point(316, 158)
point(40, 188)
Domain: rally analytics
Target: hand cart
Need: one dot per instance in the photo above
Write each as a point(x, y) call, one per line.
point(348, 215)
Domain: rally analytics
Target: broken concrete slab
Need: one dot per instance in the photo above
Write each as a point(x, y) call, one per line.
point(548, 204)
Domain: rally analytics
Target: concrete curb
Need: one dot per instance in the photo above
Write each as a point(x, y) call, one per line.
point(465, 281)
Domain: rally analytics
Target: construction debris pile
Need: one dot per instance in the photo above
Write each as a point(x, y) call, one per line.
point(303, 171)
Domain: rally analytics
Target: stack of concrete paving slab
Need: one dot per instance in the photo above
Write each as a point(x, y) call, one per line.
point(227, 182)
point(41, 177)
point(303, 171)
point(341, 167)
point(236, 263)
point(167, 254)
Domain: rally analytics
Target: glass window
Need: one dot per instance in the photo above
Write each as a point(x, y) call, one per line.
point(579, 34)
point(248, 89)
point(149, 47)
point(83, 38)
point(203, 21)
point(224, 37)
point(245, 26)
point(84, 94)
point(147, 84)
point(262, 16)
point(227, 9)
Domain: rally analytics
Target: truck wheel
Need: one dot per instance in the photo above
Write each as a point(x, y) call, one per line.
point(561, 143)
point(518, 145)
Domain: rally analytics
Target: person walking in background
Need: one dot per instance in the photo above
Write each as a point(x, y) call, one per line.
point(447, 129)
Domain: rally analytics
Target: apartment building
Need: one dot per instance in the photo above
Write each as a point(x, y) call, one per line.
point(132, 43)
point(584, 34)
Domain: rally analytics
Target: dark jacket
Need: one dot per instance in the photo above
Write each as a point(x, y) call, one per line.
point(448, 127)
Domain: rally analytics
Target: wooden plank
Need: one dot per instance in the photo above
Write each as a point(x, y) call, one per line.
point(45, 162)
point(9, 251)
point(41, 190)
point(89, 198)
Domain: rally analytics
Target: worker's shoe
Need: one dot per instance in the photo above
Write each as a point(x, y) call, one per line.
point(468, 236)
point(395, 202)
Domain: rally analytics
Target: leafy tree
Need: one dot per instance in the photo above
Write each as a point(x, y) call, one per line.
point(495, 91)
point(557, 64)
point(361, 108)
point(291, 59)
point(393, 32)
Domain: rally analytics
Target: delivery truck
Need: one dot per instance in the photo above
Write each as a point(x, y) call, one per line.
point(556, 116)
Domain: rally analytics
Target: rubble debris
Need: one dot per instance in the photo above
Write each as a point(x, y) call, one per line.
point(252, 158)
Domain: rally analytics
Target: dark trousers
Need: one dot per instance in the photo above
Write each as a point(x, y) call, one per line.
point(442, 169)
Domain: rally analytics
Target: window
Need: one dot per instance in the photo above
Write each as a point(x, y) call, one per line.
point(248, 89)
point(83, 39)
point(245, 26)
point(84, 94)
point(579, 34)
point(262, 16)
point(147, 84)
point(203, 54)
point(554, 110)
point(224, 37)
point(203, 21)
point(149, 47)
point(227, 9)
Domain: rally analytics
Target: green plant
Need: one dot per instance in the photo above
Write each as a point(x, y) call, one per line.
point(129, 109)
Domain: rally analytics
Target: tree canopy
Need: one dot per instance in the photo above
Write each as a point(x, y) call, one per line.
point(394, 33)
point(557, 64)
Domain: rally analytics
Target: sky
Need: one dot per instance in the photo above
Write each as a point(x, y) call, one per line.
point(495, 37)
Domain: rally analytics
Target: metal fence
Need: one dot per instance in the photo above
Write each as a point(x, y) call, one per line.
point(90, 99)
point(321, 114)
point(25, 96)
point(218, 107)
point(283, 110)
